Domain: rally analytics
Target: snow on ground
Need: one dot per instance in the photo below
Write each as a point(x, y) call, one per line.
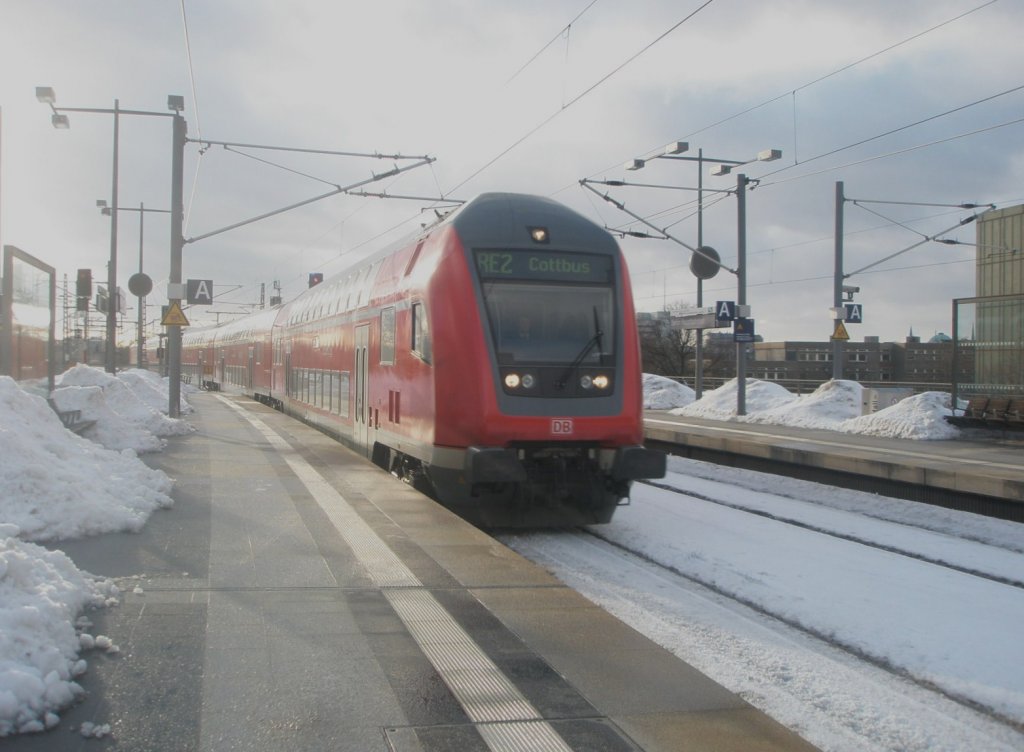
point(56, 485)
point(947, 629)
point(835, 406)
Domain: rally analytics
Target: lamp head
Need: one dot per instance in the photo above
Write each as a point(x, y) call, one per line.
point(46, 95)
point(721, 169)
point(677, 147)
point(175, 102)
point(635, 164)
point(769, 155)
point(60, 122)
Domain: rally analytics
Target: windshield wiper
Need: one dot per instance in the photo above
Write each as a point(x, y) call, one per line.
point(594, 340)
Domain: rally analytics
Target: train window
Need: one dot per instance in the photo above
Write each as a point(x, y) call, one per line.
point(387, 336)
point(343, 393)
point(551, 323)
point(420, 332)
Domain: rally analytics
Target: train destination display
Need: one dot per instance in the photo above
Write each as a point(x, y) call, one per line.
point(548, 265)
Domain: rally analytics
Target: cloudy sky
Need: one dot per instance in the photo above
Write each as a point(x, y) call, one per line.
point(917, 101)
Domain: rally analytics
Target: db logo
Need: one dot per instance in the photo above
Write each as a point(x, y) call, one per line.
point(561, 426)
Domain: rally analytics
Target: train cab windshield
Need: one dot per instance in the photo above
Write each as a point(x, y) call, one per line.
point(551, 317)
point(550, 324)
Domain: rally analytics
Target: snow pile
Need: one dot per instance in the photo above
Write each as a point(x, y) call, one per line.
point(41, 594)
point(661, 393)
point(126, 409)
point(721, 403)
point(829, 405)
point(151, 388)
point(835, 406)
point(54, 484)
point(919, 417)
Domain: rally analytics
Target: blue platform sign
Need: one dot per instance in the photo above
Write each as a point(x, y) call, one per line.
point(743, 330)
point(854, 313)
point(725, 310)
point(199, 292)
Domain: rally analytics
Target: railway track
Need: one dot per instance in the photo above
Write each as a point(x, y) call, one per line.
point(823, 636)
point(1001, 579)
point(652, 569)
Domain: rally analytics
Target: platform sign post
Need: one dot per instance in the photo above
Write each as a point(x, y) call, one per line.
point(178, 141)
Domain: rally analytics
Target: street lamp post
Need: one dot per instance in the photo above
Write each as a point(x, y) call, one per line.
point(60, 121)
point(721, 167)
point(175, 104)
point(839, 290)
point(142, 284)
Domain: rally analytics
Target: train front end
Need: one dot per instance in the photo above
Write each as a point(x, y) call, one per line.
point(556, 435)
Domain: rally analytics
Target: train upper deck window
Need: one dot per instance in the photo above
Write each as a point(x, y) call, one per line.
point(387, 336)
point(420, 332)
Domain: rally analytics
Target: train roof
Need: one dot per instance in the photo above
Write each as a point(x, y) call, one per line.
point(504, 220)
point(489, 220)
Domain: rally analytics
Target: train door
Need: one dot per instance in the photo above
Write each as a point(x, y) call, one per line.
point(289, 383)
point(251, 370)
point(361, 415)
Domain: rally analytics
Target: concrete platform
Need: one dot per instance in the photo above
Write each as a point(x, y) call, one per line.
point(298, 598)
point(989, 463)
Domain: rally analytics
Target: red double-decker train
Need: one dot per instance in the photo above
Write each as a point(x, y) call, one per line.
point(492, 360)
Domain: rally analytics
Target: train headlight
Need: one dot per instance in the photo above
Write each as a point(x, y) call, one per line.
point(514, 381)
point(586, 382)
point(601, 382)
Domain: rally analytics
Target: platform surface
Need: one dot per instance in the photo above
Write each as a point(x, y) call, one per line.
point(296, 597)
point(988, 463)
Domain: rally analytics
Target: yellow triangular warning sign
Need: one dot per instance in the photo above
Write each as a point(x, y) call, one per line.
point(174, 316)
point(840, 332)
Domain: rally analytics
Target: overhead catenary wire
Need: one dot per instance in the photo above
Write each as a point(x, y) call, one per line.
point(894, 153)
point(815, 81)
point(581, 95)
point(844, 68)
point(561, 32)
point(905, 127)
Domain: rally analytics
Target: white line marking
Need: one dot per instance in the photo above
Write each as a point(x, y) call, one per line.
point(509, 722)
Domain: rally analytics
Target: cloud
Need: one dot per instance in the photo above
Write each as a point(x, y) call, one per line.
point(438, 78)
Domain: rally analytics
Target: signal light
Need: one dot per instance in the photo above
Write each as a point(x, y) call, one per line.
point(315, 278)
point(83, 287)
